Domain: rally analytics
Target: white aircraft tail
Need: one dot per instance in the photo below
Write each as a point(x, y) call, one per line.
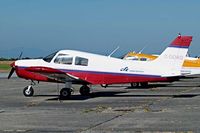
point(171, 60)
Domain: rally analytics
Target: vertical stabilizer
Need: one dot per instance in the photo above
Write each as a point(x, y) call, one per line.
point(171, 60)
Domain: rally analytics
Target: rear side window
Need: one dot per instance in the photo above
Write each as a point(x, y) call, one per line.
point(81, 61)
point(64, 59)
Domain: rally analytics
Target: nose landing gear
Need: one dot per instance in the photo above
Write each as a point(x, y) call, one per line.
point(28, 91)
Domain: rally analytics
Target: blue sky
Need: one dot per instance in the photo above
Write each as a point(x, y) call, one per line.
point(39, 27)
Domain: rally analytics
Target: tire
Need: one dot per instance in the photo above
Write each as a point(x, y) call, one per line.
point(65, 93)
point(84, 90)
point(144, 84)
point(28, 91)
point(134, 85)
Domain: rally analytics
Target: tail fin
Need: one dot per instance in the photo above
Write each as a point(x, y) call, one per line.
point(172, 58)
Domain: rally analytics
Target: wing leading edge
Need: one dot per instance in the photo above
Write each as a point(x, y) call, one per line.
point(55, 74)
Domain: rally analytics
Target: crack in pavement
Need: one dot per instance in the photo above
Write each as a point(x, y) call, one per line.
point(144, 107)
point(101, 123)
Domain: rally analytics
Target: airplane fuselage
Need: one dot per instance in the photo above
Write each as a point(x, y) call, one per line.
point(99, 70)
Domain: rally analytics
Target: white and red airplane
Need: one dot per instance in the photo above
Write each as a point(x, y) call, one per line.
point(75, 67)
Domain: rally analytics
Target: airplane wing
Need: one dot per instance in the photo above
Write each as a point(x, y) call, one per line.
point(56, 75)
point(167, 76)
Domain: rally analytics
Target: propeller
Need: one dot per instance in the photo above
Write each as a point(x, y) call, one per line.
point(13, 66)
point(12, 70)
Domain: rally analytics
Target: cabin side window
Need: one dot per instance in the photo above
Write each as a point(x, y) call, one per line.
point(81, 61)
point(63, 59)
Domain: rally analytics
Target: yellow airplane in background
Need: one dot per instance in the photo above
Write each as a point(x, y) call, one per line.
point(191, 65)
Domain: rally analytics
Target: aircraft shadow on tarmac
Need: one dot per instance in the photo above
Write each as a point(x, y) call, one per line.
point(122, 94)
point(189, 77)
point(164, 85)
point(140, 87)
point(150, 86)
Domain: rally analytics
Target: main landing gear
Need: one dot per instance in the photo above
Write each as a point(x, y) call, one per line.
point(84, 90)
point(134, 85)
point(65, 93)
point(142, 84)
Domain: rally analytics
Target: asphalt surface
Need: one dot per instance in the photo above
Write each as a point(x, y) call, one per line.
point(162, 107)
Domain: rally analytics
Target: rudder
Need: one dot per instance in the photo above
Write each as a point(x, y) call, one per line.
point(172, 58)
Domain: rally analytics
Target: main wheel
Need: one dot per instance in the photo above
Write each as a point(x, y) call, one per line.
point(28, 91)
point(84, 90)
point(65, 93)
point(133, 85)
point(144, 84)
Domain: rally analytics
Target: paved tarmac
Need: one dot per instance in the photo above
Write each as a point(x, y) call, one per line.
point(163, 107)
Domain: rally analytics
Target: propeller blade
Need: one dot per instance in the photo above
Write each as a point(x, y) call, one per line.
point(13, 66)
point(11, 72)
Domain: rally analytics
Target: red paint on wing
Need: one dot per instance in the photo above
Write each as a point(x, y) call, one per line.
point(98, 78)
point(43, 70)
point(23, 73)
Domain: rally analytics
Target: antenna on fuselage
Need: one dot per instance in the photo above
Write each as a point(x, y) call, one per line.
point(113, 51)
point(142, 49)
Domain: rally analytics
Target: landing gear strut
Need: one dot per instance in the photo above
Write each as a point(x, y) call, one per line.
point(84, 90)
point(141, 84)
point(28, 90)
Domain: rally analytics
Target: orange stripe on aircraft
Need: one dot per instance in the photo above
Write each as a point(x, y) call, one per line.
point(193, 62)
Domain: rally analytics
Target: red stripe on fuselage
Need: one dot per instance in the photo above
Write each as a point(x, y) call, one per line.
point(98, 78)
point(95, 77)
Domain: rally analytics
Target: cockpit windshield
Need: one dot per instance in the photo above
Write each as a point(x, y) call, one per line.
point(49, 57)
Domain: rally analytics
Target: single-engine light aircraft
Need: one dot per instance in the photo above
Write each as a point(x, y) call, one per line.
point(76, 67)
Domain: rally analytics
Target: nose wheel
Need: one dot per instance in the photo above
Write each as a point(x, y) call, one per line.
point(28, 91)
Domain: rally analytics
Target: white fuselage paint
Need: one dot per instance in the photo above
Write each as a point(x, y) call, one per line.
point(167, 65)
